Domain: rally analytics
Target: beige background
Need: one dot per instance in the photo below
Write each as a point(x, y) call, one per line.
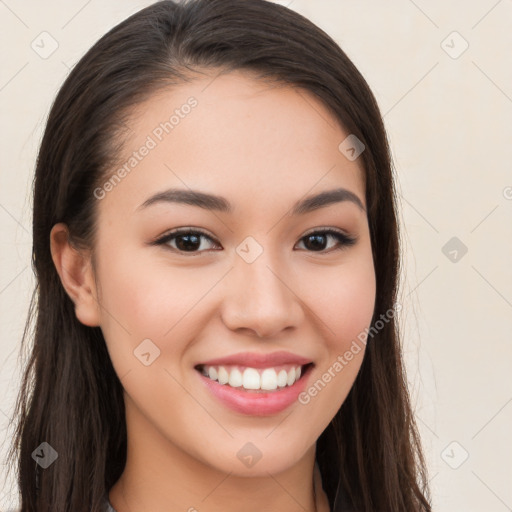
point(449, 117)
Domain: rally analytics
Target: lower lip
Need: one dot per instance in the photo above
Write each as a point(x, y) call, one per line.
point(256, 404)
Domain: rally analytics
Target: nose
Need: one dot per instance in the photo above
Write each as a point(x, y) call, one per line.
point(260, 298)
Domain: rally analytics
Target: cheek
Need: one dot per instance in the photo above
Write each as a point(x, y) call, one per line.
point(344, 299)
point(349, 307)
point(344, 303)
point(136, 302)
point(140, 290)
point(143, 297)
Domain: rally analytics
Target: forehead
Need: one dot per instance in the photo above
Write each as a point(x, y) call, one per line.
point(235, 135)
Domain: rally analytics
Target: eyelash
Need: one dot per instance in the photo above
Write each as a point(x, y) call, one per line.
point(344, 240)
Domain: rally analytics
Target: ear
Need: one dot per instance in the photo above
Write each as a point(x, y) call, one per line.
point(76, 274)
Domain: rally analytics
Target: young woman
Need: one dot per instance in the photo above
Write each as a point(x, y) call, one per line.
point(216, 251)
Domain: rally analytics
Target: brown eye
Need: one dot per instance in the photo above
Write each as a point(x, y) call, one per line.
point(186, 240)
point(317, 240)
point(187, 243)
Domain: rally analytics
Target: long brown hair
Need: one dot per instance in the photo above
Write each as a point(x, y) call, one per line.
point(71, 398)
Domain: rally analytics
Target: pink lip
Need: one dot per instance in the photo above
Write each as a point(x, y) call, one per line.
point(255, 360)
point(257, 403)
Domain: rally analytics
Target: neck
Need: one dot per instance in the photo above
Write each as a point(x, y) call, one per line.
point(185, 490)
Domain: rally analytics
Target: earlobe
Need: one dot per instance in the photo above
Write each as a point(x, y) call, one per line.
point(76, 275)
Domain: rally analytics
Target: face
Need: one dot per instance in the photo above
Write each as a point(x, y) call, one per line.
point(252, 287)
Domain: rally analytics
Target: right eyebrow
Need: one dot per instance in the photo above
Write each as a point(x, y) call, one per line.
point(192, 197)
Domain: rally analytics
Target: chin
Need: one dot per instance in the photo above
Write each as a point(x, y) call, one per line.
point(259, 458)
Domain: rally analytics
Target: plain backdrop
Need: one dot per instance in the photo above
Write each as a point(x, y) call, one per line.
point(441, 72)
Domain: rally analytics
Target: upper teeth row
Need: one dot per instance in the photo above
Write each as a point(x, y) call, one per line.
point(251, 378)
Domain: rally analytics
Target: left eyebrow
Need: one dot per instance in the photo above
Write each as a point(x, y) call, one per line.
point(221, 204)
point(324, 199)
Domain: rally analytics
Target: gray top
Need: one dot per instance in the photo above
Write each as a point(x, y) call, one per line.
point(108, 505)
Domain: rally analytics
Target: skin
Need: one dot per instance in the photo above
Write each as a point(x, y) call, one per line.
point(261, 147)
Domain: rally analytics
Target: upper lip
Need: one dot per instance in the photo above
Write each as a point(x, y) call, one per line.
point(257, 360)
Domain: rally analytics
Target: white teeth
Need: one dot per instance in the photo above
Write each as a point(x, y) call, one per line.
point(291, 377)
point(282, 378)
point(223, 375)
point(267, 379)
point(235, 378)
point(251, 379)
point(212, 373)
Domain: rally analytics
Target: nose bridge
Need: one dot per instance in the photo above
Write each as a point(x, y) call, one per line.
point(261, 282)
point(259, 295)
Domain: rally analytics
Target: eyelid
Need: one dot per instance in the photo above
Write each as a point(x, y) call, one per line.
point(162, 239)
point(325, 229)
point(186, 229)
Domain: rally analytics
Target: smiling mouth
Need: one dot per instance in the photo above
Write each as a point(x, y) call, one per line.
point(256, 380)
